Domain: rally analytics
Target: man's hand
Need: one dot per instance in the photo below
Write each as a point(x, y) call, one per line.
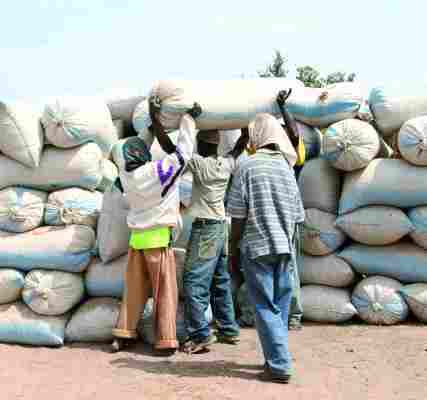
point(154, 106)
point(241, 144)
point(195, 111)
point(282, 97)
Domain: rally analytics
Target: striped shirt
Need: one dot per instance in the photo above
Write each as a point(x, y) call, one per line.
point(265, 193)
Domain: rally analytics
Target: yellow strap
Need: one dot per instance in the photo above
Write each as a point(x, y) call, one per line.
point(300, 152)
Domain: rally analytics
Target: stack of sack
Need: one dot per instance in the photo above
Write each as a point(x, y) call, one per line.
point(365, 248)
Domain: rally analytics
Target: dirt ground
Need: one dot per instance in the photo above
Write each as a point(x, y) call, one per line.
point(351, 362)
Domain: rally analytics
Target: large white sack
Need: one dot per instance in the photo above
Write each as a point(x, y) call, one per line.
point(21, 133)
point(375, 225)
point(412, 141)
point(388, 182)
point(416, 297)
point(109, 175)
point(146, 328)
point(320, 185)
point(70, 122)
point(320, 236)
point(113, 231)
point(68, 248)
point(11, 285)
point(229, 104)
point(106, 280)
point(58, 169)
point(350, 144)
point(122, 105)
point(21, 209)
point(19, 324)
point(73, 206)
point(418, 217)
point(93, 321)
point(52, 292)
point(326, 304)
point(328, 270)
point(392, 107)
point(378, 301)
point(402, 261)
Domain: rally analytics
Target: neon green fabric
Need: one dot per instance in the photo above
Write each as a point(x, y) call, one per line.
point(150, 238)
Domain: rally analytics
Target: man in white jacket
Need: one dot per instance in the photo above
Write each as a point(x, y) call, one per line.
point(151, 188)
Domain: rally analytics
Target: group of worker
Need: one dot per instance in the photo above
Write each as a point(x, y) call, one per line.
point(265, 206)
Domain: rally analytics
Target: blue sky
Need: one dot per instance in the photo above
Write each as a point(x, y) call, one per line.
point(87, 47)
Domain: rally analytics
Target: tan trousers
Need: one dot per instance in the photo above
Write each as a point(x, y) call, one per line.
point(150, 272)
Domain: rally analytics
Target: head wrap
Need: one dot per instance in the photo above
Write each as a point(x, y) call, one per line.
point(135, 153)
point(266, 129)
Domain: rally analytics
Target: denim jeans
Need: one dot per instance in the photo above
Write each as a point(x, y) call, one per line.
point(295, 310)
point(269, 288)
point(206, 278)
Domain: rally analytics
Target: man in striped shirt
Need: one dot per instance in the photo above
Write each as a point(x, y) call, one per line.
point(266, 208)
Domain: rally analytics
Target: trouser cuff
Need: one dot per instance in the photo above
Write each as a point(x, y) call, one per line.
point(125, 334)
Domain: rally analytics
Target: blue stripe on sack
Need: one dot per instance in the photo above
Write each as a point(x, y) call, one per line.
point(104, 288)
point(82, 137)
point(408, 140)
point(418, 219)
point(86, 207)
point(397, 308)
point(331, 240)
point(85, 182)
point(69, 262)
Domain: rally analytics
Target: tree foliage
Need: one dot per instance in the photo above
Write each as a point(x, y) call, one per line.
point(277, 69)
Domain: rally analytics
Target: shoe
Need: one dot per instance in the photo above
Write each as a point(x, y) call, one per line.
point(121, 344)
point(164, 352)
point(227, 339)
point(268, 376)
point(294, 326)
point(191, 346)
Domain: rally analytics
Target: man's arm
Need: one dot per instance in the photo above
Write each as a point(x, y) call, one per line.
point(241, 144)
point(288, 119)
point(156, 127)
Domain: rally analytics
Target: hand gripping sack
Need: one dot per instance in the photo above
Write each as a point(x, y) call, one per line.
point(21, 133)
point(21, 209)
point(11, 285)
point(58, 169)
point(113, 230)
point(320, 236)
point(70, 122)
point(106, 280)
point(392, 107)
point(387, 182)
point(21, 325)
point(93, 321)
point(73, 206)
point(416, 297)
point(418, 217)
point(68, 248)
point(328, 270)
point(412, 141)
point(52, 292)
point(402, 261)
point(350, 144)
point(375, 225)
point(320, 185)
point(378, 301)
point(326, 304)
point(228, 104)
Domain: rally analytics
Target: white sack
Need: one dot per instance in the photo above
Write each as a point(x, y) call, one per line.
point(11, 285)
point(122, 103)
point(109, 175)
point(320, 236)
point(21, 209)
point(21, 133)
point(228, 104)
point(58, 169)
point(124, 129)
point(52, 292)
point(113, 231)
point(73, 206)
point(378, 301)
point(375, 225)
point(328, 270)
point(418, 217)
point(416, 297)
point(93, 321)
point(68, 248)
point(70, 122)
point(350, 144)
point(326, 304)
point(393, 107)
point(20, 325)
point(412, 141)
point(388, 182)
point(106, 280)
point(320, 185)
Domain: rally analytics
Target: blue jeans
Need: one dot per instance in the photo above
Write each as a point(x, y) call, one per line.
point(206, 278)
point(295, 311)
point(269, 288)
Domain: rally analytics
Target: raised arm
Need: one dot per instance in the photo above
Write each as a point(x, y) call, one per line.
point(156, 127)
point(241, 144)
point(288, 119)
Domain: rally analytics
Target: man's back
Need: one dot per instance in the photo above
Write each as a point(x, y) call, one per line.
point(265, 193)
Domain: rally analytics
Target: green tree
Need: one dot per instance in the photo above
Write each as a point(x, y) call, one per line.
point(310, 76)
point(277, 68)
point(337, 77)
